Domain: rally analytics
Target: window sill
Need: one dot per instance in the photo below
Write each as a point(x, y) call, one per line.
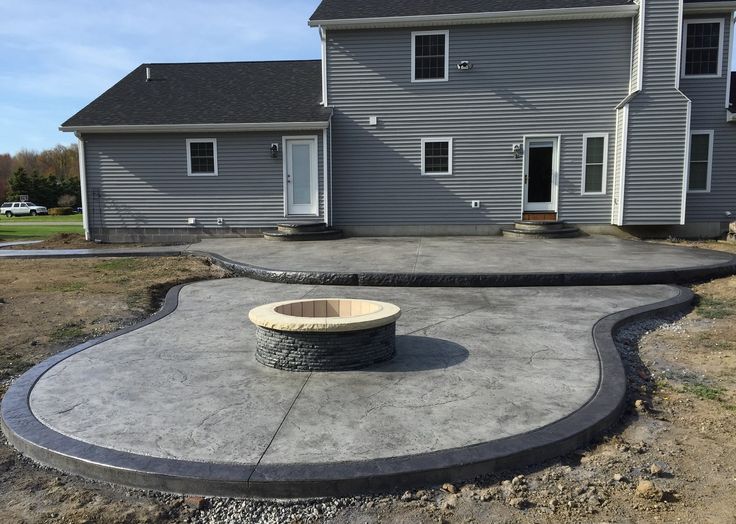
point(429, 81)
point(202, 174)
point(696, 77)
point(598, 193)
point(437, 174)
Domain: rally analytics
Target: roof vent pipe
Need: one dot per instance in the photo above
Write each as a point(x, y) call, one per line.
point(148, 74)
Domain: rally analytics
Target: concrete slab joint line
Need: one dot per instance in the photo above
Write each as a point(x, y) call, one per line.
point(31, 422)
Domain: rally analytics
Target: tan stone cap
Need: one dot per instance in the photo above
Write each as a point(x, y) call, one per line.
point(324, 315)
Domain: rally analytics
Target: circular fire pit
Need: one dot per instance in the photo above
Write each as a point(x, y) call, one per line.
point(330, 334)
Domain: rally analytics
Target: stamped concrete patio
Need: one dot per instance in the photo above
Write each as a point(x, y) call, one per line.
point(483, 378)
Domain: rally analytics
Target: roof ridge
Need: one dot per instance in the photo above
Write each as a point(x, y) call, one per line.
point(233, 62)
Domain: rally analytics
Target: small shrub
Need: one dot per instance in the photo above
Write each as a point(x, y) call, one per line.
point(57, 211)
point(67, 201)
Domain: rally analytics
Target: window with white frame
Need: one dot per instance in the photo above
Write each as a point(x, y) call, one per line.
point(429, 56)
point(701, 160)
point(595, 160)
point(202, 157)
point(436, 156)
point(703, 48)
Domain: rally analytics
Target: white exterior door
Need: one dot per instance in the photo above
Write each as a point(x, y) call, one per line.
point(300, 176)
point(541, 172)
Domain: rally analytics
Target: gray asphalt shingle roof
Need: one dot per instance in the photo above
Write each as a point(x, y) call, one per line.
point(350, 9)
point(211, 93)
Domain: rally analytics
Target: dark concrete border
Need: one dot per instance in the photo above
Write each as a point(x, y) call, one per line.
point(603, 278)
point(48, 447)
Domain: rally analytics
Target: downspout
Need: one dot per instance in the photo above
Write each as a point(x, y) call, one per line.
point(83, 183)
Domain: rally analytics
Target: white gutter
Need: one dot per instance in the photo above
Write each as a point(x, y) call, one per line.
point(180, 128)
point(709, 7)
point(531, 15)
point(83, 182)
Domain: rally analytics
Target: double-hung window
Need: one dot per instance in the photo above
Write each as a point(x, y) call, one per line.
point(701, 159)
point(429, 56)
point(595, 160)
point(702, 48)
point(436, 156)
point(202, 157)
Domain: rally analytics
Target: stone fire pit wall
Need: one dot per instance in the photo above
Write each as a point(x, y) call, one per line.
point(325, 334)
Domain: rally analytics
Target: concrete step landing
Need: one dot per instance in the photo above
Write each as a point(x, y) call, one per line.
point(541, 229)
point(303, 231)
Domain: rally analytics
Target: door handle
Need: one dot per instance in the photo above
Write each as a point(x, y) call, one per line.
point(526, 179)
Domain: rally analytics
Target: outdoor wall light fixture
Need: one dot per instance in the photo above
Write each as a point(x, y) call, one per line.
point(274, 150)
point(517, 150)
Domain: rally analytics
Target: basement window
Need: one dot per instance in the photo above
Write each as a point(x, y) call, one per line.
point(595, 157)
point(436, 156)
point(703, 48)
point(701, 160)
point(202, 157)
point(429, 56)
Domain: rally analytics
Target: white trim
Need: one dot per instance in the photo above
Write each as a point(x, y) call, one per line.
point(323, 41)
point(449, 155)
point(731, 49)
point(557, 139)
point(710, 134)
point(604, 167)
point(632, 87)
point(683, 45)
point(709, 7)
point(325, 183)
point(530, 15)
point(680, 46)
point(622, 181)
point(314, 182)
point(191, 141)
point(194, 128)
point(686, 166)
point(86, 211)
point(642, 20)
point(414, 35)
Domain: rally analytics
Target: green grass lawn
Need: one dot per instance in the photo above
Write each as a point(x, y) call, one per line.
point(9, 232)
point(72, 219)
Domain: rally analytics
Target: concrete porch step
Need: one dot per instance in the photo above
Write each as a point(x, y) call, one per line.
point(286, 236)
point(541, 229)
point(300, 227)
point(539, 225)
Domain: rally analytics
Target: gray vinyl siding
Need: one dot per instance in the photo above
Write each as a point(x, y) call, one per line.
point(657, 125)
point(708, 96)
point(524, 81)
point(140, 180)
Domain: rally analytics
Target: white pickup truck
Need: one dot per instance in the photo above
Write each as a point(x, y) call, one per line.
point(17, 209)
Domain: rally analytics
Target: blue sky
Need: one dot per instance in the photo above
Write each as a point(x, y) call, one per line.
point(57, 56)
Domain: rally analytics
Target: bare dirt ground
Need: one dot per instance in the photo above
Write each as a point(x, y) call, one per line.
point(47, 306)
point(74, 241)
point(672, 458)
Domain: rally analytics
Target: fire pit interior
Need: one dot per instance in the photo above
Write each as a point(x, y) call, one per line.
point(330, 334)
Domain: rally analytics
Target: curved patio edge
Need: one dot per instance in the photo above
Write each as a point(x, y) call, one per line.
point(51, 448)
point(540, 279)
point(683, 275)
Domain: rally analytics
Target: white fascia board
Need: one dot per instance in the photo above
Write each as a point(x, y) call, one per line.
point(709, 7)
point(195, 128)
point(532, 15)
